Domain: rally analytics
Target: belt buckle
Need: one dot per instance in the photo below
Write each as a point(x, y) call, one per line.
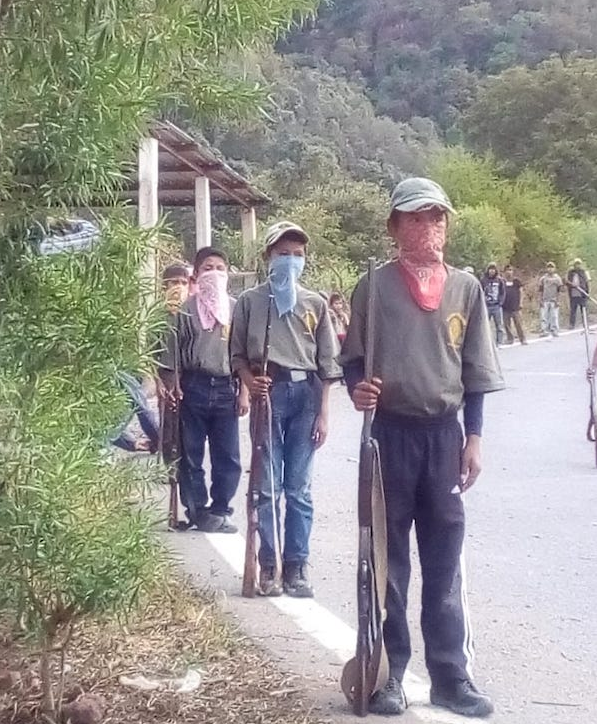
point(298, 375)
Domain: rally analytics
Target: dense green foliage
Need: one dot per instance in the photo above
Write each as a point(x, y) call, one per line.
point(543, 118)
point(71, 541)
point(520, 220)
point(481, 74)
point(425, 58)
point(327, 160)
point(79, 82)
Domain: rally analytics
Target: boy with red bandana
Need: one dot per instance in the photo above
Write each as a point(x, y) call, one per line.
point(433, 355)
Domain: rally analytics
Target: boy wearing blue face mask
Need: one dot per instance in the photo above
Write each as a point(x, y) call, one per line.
point(302, 365)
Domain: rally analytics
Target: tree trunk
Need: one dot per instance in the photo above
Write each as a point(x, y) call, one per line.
point(48, 704)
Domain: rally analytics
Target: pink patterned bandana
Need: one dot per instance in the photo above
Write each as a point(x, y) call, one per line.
point(213, 302)
point(421, 259)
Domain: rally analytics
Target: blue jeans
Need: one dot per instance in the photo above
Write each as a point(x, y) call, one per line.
point(139, 407)
point(497, 315)
point(208, 412)
point(295, 407)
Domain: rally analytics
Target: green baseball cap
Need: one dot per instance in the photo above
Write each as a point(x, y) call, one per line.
point(276, 231)
point(415, 194)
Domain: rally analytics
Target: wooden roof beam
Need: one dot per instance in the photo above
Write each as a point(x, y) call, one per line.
point(200, 172)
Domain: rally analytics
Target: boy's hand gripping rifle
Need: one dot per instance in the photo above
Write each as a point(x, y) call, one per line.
point(261, 477)
point(368, 671)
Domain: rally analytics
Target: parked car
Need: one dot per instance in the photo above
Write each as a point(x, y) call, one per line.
point(65, 235)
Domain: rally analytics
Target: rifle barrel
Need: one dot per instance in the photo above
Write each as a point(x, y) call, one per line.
point(369, 340)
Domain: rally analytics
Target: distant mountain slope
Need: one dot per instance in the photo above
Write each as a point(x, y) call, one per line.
point(426, 57)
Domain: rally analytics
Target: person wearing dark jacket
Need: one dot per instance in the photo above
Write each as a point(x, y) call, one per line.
point(577, 281)
point(512, 306)
point(494, 289)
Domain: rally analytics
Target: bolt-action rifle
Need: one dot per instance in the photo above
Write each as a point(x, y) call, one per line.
point(261, 477)
point(368, 671)
point(169, 439)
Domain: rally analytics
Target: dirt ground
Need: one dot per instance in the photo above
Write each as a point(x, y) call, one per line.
point(177, 630)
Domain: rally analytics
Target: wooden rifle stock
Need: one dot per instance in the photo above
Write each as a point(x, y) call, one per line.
point(260, 477)
point(169, 449)
point(368, 671)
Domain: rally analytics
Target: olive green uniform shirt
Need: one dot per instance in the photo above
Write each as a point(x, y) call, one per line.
point(197, 348)
point(302, 339)
point(426, 360)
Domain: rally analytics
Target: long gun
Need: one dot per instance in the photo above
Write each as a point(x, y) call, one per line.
point(585, 294)
point(368, 671)
point(169, 439)
point(170, 452)
point(261, 477)
point(591, 436)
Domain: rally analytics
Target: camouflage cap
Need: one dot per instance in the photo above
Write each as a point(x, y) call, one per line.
point(276, 231)
point(415, 194)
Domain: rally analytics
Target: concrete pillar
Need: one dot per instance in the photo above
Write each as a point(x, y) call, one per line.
point(148, 209)
point(248, 222)
point(202, 213)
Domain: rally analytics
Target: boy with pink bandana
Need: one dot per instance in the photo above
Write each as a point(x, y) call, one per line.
point(210, 399)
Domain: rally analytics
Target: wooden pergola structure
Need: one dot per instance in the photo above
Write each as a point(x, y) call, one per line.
point(174, 169)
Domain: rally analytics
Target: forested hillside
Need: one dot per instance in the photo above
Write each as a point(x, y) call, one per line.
point(426, 57)
point(497, 99)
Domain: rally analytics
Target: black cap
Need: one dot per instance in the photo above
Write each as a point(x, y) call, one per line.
point(206, 251)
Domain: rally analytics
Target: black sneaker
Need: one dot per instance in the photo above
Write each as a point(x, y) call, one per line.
point(296, 581)
point(268, 586)
point(389, 700)
point(462, 697)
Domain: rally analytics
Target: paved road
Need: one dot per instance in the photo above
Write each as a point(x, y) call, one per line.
point(531, 549)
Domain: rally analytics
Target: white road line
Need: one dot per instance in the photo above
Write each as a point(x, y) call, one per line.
point(563, 333)
point(332, 633)
point(544, 374)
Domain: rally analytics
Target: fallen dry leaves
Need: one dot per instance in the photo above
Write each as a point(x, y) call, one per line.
point(177, 629)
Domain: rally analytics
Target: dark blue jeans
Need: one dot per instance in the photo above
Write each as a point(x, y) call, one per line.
point(208, 412)
point(295, 407)
point(576, 303)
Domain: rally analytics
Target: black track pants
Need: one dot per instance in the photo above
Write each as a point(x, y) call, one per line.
point(420, 461)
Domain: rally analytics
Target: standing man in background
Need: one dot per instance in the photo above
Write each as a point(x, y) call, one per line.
point(513, 305)
point(550, 286)
point(433, 354)
point(494, 289)
point(577, 282)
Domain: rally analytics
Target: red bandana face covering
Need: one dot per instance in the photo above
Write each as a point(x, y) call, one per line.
point(422, 236)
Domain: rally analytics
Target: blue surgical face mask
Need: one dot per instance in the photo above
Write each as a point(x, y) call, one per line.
point(284, 272)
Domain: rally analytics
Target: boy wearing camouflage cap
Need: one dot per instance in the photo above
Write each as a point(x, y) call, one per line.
point(433, 354)
point(301, 366)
